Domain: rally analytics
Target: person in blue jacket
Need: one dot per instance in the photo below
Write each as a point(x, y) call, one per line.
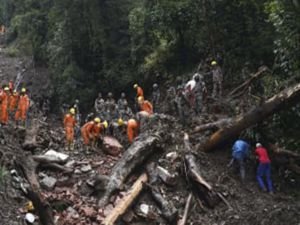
point(240, 151)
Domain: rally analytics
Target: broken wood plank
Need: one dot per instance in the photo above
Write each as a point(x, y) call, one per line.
point(126, 201)
point(184, 218)
point(279, 101)
point(133, 157)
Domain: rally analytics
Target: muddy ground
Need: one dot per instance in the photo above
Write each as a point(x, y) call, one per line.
point(74, 202)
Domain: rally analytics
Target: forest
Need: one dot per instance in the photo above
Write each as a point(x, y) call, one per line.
point(70, 50)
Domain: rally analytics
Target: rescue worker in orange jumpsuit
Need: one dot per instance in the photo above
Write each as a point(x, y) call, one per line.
point(12, 103)
point(4, 97)
point(132, 128)
point(139, 91)
point(91, 131)
point(23, 106)
point(11, 86)
point(69, 125)
point(145, 106)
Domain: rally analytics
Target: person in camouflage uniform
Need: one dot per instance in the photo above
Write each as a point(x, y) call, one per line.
point(217, 76)
point(127, 112)
point(122, 102)
point(170, 106)
point(181, 105)
point(100, 106)
point(155, 97)
point(199, 89)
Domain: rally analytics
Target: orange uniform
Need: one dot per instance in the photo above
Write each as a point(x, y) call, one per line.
point(13, 100)
point(132, 129)
point(11, 86)
point(69, 124)
point(4, 107)
point(147, 107)
point(139, 92)
point(23, 107)
point(90, 132)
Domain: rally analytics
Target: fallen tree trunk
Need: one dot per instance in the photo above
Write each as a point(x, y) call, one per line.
point(135, 155)
point(126, 201)
point(256, 115)
point(30, 142)
point(209, 126)
point(243, 87)
point(33, 193)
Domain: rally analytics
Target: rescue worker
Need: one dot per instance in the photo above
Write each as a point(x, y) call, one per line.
point(132, 128)
point(13, 101)
point(111, 108)
point(11, 86)
point(139, 91)
point(189, 92)
point(122, 102)
point(146, 107)
point(77, 117)
point(240, 152)
point(22, 109)
point(69, 125)
point(199, 90)
point(181, 104)
point(217, 77)
point(128, 112)
point(155, 97)
point(264, 168)
point(100, 106)
point(4, 98)
point(170, 106)
point(90, 132)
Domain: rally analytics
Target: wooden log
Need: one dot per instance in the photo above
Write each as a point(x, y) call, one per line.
point(135, 155)
point(286, 97)
point(246, 84)
point(284, 152)
point(30, 142)
point(126, 201)
point(184, 218)
point(209, 126)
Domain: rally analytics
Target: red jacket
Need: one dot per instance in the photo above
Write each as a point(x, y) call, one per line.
point(262, 154)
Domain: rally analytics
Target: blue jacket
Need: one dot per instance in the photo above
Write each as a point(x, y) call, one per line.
point(240, 149)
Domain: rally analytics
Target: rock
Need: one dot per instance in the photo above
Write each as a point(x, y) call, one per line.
point(77, 171)
point(72, 212)
point(108, 209)
point(128, 216)
point(70, 164)
point(48, 183)
point(86, 168)
point(59, 155)
point(112, 146)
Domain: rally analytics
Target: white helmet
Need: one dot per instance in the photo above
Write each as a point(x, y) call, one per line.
point(258, 145)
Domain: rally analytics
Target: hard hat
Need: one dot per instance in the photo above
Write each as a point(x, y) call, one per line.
point(15, 91)
point(123, 95)
point(109, 94)
point(97, 120)
point(29, 206)
point(135, 86)
point(72, 111)
point(213, 63)
point(105, 124)
point(196, 77)
point(23, 90)
point(140, 99)
point(30, 218)
point(155, 85)
point(120, 122)
point(6, 89)
point(258, 145)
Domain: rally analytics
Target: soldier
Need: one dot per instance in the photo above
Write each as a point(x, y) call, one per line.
point(110, 109)
point(99, 106)
point(199, 90)
point(155, 97)
point(181, 105)
point(217, 79)
point(122, 102)
point(170, 100)
point(127, 112)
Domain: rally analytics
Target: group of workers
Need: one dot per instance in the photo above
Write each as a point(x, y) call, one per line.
point(241, 151)
point(14, 106)
point(114, 115)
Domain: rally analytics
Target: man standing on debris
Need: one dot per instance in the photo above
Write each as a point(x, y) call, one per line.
point(69, 125)
point(217, 77)
point(111, 107)
point(13, 101)
point(122, 102)
point(240, 152)
point(22, 109)
point(264, 168)
point(132, 128)
point(146, 107)
point(156, 97)
point(99, 105)
point(4, 97)
point(90, 131)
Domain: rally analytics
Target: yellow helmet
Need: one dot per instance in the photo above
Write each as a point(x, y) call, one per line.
point(29, 206)
point(105, 124)
point(72, 111)
point(97, 120)
point(23, 90)
point(140, 99)
point(120, 122)
point(6, 89)
point(213, 63)
point(135, 86)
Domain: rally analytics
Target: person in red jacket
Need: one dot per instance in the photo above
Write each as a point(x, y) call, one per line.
point(264, 168)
